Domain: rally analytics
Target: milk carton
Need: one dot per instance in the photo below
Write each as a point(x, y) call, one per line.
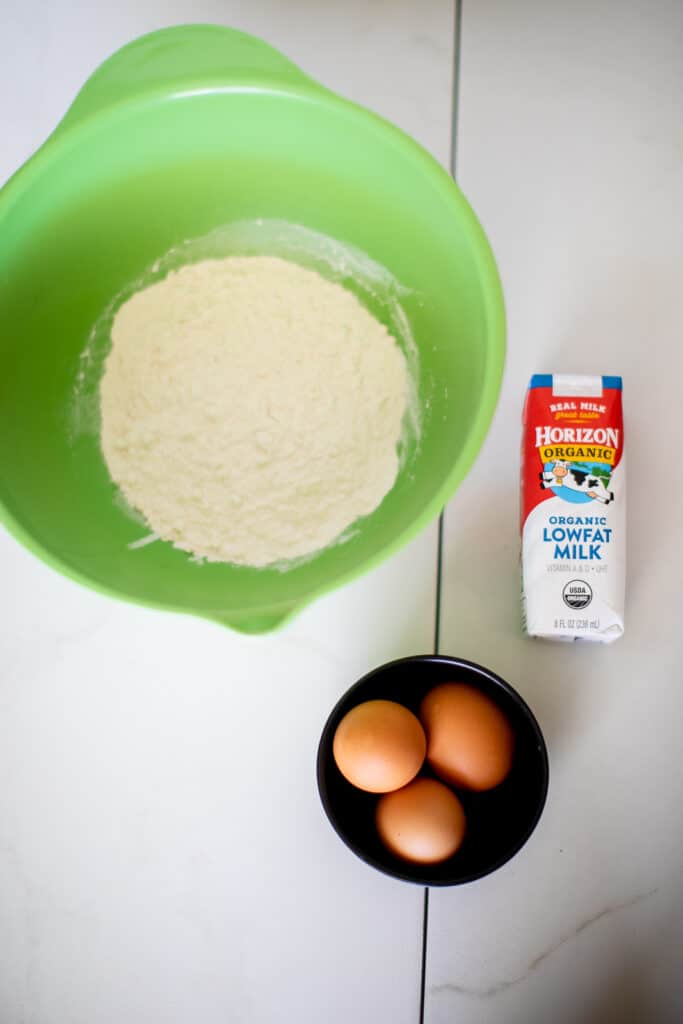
point(573, 509)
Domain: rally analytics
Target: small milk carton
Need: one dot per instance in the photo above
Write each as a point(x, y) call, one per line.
point(573, 508)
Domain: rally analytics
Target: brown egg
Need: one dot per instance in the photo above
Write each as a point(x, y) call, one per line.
point(379, 746)
point(424, 822)
point(469, 740)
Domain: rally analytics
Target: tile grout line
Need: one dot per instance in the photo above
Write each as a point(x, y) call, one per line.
point(455, 98)
point(423, 968)
point(455, 93)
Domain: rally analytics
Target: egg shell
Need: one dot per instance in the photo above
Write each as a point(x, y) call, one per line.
point(424, 822)
point(470, 743)
point(379, 746)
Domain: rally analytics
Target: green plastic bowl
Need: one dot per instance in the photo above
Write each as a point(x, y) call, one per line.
point(179, 132)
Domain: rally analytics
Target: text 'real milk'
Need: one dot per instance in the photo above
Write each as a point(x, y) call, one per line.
point(573, 508)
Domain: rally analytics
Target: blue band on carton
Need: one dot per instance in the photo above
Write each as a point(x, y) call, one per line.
point(545, 380)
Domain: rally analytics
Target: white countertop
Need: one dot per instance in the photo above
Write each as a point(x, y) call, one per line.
point(163, 854)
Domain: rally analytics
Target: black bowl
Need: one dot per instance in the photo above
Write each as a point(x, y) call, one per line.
point(499, 821)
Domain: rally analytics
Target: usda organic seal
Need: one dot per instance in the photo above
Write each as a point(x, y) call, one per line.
point(577, 594)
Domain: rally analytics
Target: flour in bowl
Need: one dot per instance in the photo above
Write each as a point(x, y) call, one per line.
point(251, 409)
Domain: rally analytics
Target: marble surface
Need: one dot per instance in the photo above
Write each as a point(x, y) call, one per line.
point(163, 854)
point(570, 147)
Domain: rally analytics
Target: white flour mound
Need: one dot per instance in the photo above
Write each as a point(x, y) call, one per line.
point(251, 409)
